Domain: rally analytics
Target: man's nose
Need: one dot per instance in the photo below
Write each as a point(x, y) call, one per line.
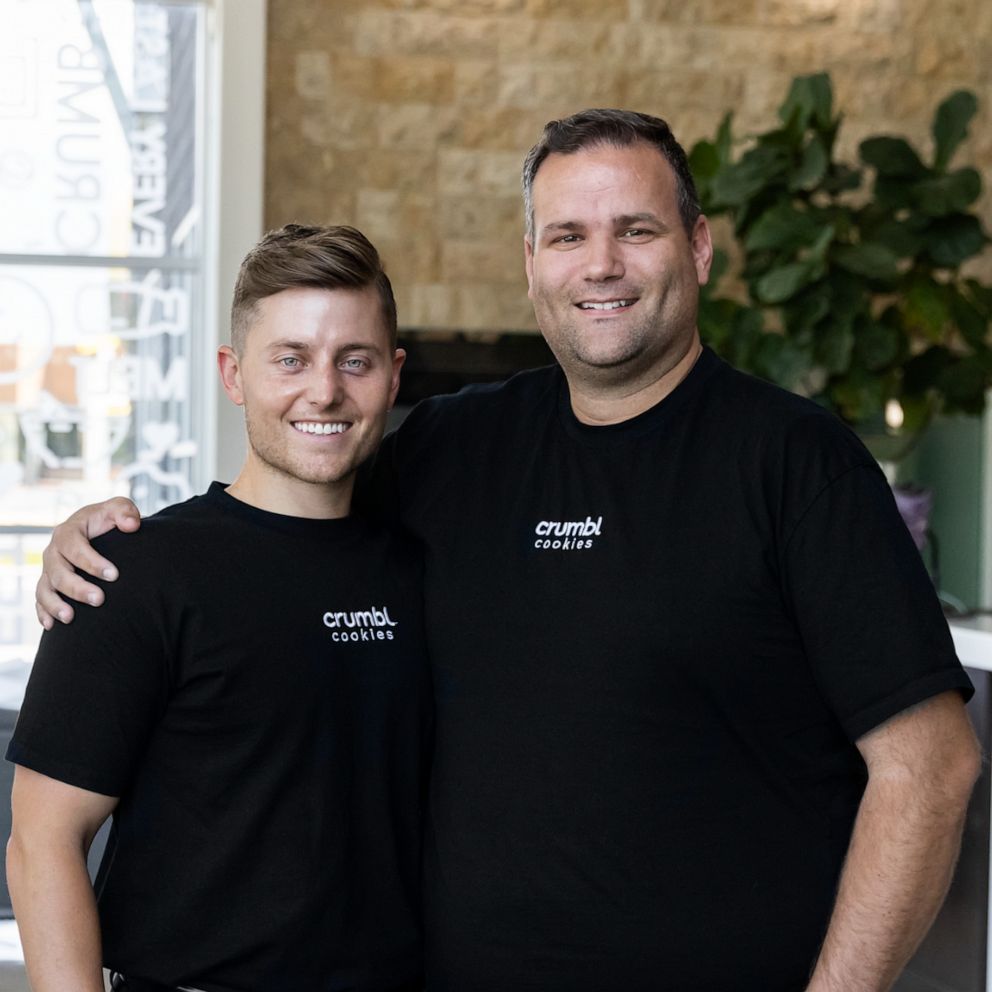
point(324, 387)
point(604, 259)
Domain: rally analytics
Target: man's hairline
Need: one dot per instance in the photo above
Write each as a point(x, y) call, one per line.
point(250, 315)
point(605, 141)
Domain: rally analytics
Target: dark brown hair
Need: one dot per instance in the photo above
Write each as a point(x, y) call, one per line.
point(620, 128)
point(321, 257)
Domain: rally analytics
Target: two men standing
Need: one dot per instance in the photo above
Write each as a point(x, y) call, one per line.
point(720, 743)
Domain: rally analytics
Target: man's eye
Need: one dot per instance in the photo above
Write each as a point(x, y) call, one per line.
point(290, 362)
point(566, 239)
point(355, 364)
point(635, 232)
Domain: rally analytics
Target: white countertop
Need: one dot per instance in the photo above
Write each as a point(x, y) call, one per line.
point(973, 641)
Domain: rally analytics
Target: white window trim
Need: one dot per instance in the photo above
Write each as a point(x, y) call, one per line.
point(235, 146)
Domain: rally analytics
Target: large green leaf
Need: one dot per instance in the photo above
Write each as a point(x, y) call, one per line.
point(870, 260)
point(877, 344)
point(901, 238)
point(972, 324)
point(894, 194)
point(782, 361)
point(812, 167)
point(783, 282)
point(810, 102)
point(747, 332)
point(858, 396)
point(954, 239)
point(715, 321)
point(803, 312)
point(818, 249)
point(718, 269)
point(981, 296)
point(950, 125)
point(735, 184)
point(704, 161)
point(894, 158)
point(834, 344)
point(725, 136)
point(949, 193)
point(782, 228)
point(925, 309)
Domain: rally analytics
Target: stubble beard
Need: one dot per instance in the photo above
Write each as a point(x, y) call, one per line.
point(282, 461)
point(641, 350)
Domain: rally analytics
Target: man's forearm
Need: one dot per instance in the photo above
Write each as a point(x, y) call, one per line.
point(56, 916)
point(899, 865)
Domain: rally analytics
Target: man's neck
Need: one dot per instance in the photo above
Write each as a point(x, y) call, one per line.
point(261, 487)
point(601, 404)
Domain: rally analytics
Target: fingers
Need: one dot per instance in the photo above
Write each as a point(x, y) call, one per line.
point(70, 549)
point(44, 617)
point(71, 542)
point(98, 518)
point(49, 605)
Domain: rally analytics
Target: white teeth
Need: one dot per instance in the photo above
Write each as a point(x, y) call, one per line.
point(610, 305)
point(310, 427)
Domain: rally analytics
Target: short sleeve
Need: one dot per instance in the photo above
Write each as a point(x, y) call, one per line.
point(98, 686)
point(869, 617)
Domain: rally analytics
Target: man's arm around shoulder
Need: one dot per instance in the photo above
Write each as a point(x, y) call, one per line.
point(70, 549)
point(53, 826)
point(922, 766)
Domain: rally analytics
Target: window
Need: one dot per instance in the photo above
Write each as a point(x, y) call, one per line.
point(108, 267)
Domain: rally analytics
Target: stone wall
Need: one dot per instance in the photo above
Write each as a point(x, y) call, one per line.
point(410, 118)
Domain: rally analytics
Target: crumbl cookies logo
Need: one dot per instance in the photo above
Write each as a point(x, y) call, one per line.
point(360, 625)
point(567, 535)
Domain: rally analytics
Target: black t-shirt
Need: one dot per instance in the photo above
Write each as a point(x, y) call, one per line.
point(654, 644)
point(255, 690)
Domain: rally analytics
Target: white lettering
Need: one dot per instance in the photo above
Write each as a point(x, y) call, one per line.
point(569, 531)
point(148, 166)
point(366, 624)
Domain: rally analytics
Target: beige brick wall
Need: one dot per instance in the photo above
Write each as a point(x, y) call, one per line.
point(410, 118)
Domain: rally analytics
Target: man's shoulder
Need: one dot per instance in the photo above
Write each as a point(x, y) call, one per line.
point(173, 532)
point(762, 408)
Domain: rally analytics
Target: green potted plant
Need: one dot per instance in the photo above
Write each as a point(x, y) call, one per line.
point(851, 288)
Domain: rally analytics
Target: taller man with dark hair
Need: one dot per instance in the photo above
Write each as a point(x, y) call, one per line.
point(700, 724)
point(254, 708)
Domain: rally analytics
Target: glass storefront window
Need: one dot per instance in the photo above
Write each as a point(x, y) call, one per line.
point(102, 273)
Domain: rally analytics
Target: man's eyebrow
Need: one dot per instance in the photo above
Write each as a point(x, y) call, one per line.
point(621, 220)
point(361, 346)
point(561, 227)
point(632, 220)
point(292, 345)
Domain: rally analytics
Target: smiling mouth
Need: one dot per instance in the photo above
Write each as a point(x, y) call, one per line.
point(605, 305)
point(319, 427)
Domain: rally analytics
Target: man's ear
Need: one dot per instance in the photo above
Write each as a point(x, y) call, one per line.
point(229, 366)
point(701, 243)
point(399, 357)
